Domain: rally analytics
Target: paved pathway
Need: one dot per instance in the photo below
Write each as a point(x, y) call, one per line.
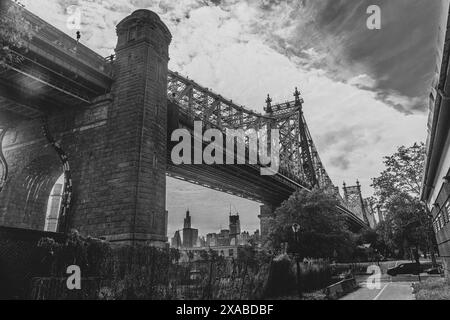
point(387, 291)
point(389, 288)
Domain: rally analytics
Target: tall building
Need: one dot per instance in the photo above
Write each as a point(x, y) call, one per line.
point(202, 242)
point(223, 238)
point(190, 235)
point(176, 240)
point(436, 182)
point(256, 237)
point(187, 220)
point(211, 240)
point(235, 225)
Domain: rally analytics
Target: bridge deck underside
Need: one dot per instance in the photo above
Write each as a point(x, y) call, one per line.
point(34, 85)
point(241, 180)
point(244, 181)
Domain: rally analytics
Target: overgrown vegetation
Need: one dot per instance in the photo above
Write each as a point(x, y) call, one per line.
point(432, 289)
point(314, 275)
point(144, 272)
point(14, 32)
point(407, 222)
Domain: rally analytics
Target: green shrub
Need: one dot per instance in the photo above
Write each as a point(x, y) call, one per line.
point(432, 289)
point(144, 272)
point(314, 275)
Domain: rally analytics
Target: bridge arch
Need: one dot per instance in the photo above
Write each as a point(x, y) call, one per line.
point(27, 192)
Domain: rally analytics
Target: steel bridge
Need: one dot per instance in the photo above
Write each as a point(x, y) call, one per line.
point(56, 73)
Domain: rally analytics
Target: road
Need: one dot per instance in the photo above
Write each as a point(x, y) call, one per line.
point(388, 288)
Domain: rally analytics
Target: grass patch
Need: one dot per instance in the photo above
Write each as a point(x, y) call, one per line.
point(316, 295)
point(432, 289)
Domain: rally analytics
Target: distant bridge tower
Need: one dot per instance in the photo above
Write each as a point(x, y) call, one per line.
point(301, 144)
point(354, 200)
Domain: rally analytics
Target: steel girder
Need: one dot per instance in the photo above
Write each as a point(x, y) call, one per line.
point(299, 159)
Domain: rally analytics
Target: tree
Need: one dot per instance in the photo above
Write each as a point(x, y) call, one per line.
point(14, 32)
point(398, 192)
point(385, 244)
point(403, 173)
point(323, 232)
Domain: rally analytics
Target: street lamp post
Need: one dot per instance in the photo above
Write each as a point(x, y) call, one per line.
point(296, 230)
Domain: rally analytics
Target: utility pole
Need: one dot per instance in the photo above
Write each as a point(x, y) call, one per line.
point(296, 231)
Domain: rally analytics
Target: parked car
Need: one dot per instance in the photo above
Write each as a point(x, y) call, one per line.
point(404, 268)
point(434, 270)
point(411, 268)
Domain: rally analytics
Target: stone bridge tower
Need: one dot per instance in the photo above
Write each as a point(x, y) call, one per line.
point(114, 148)
point(140, 125)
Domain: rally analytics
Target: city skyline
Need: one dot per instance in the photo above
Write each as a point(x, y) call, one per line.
point(219, 228)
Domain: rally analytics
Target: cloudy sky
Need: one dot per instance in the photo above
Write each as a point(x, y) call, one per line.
point(365, 91)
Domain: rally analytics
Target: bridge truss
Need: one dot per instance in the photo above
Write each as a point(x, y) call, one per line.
point(299, 158)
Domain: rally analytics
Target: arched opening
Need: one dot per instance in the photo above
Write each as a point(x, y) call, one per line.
point(54, 205)
point(28, 190)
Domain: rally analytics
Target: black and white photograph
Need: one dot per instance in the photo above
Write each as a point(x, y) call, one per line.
point(231, 157)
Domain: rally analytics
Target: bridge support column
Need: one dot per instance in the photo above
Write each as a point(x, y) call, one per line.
point(266, 213)
point(139, 121)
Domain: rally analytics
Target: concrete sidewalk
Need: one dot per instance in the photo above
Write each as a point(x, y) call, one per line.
point(387, 291)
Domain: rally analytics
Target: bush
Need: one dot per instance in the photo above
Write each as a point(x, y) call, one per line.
point(314, 275)
point(432, 289)
point(144, 272)
point(282, 280)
